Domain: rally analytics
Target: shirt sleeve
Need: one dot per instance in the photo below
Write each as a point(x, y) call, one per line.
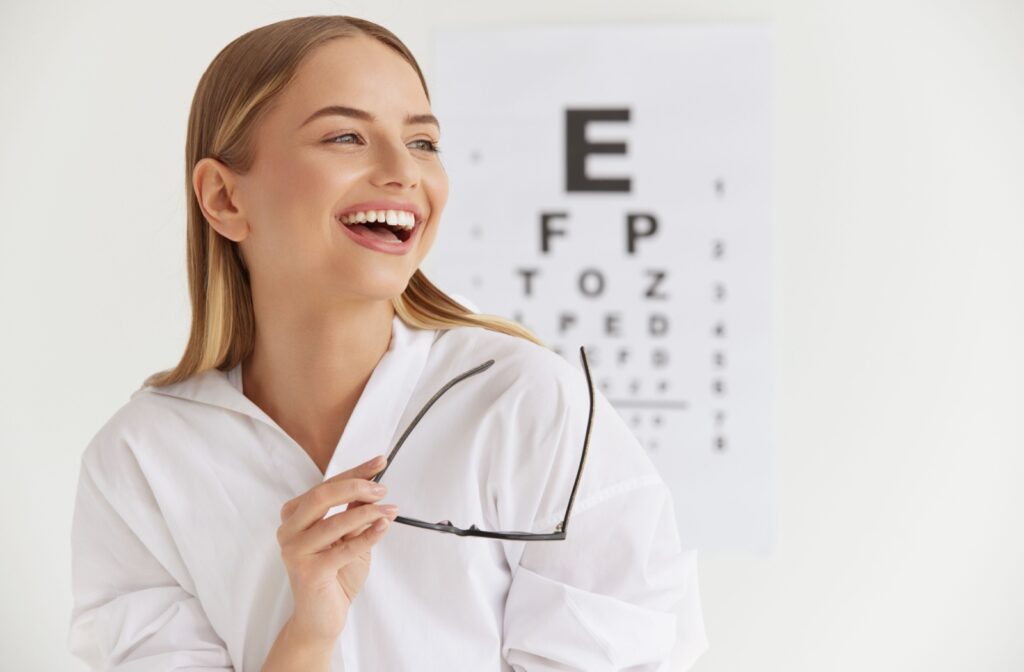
point(130, 614)
point(619, 592)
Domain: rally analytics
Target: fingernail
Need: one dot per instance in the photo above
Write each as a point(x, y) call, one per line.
point(378, 489)
point(373, 461)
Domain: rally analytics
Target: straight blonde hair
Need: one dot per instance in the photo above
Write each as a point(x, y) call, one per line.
point(232, 95)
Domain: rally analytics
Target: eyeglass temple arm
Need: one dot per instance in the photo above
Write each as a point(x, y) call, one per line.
point(408, 430)
point(563, 527)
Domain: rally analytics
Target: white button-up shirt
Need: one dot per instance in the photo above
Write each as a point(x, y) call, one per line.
point(176, 565)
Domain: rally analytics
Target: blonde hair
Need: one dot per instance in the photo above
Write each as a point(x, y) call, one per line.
point(232, 95)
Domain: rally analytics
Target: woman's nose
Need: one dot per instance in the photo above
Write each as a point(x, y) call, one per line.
point(395, 163)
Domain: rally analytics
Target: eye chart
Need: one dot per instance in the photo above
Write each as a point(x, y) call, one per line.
point(609, 187)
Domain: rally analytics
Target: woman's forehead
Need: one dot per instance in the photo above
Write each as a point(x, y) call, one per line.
point(357, 72)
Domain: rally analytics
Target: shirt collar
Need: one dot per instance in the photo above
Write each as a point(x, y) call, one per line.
point(374, 420)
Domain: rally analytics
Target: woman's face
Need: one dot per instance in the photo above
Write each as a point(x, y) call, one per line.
point(307, 171)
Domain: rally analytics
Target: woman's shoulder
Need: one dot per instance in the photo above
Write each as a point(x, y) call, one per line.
point(549, 401)
point(132, 425)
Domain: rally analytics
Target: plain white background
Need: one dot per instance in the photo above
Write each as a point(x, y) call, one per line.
point(899, 242)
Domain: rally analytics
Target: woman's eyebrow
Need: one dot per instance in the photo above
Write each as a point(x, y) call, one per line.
point(367, 116)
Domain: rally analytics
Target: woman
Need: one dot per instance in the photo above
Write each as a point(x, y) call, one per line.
point(219, 522)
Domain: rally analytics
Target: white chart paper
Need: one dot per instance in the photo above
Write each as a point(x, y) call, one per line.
point(609, 187)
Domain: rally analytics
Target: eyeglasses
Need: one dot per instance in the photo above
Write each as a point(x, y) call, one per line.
point(473, 530)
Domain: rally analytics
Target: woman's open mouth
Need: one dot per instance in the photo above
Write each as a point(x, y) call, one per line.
point(391, 231)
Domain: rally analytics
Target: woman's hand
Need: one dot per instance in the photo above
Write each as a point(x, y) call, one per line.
point(328, 558)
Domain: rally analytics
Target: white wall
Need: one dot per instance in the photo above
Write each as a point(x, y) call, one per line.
point(899, 216)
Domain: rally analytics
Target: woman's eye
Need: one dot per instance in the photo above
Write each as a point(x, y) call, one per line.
point(343, 135)
point(431, 146)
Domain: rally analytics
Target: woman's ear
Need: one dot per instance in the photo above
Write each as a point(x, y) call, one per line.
point(214, 185)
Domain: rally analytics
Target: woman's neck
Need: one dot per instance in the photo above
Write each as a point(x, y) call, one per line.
point(308, 371)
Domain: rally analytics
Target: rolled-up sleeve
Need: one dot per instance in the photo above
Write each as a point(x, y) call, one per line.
point(617, 594)
point(129, 612)
point(620, 592)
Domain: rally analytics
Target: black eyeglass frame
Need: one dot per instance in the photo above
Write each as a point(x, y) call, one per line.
point(473, 531)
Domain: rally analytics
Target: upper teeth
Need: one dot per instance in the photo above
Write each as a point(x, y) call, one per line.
point(401, 218)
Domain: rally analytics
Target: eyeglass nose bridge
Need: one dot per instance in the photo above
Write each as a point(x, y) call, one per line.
point(474, 531)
